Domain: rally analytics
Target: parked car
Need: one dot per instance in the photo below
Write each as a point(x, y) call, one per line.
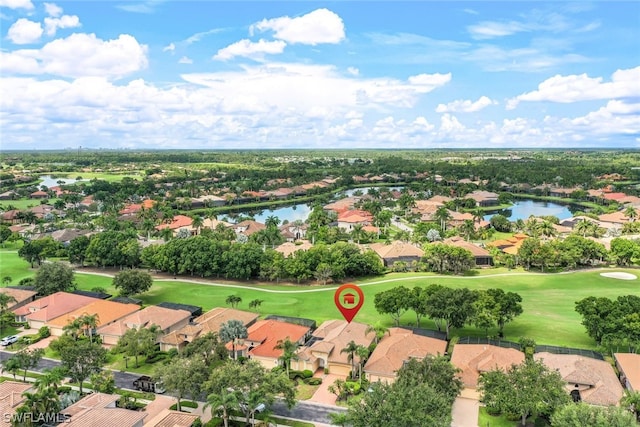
point(9, 340)
point(146, 383)
point(259, 409)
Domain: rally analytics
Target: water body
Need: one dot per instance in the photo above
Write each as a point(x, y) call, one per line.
point(288, 213)
point(49, 181)
point(364, 190)
point(523, 209)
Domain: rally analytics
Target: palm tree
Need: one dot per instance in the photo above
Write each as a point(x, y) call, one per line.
point(233, 331)
point(546, 229)
point(442, 214)
point(631, 400)
point(631, 213)
point(351, 350)
point(378, 329)
point(73, 328)
point(89, 322)
point(467, 229)
point(289, 349)
point(363, 353)
point(197, 223)
point(50, 378)
point(41, 405)
point(272, 221)
point(222, 404)
point(583, 226)
point(478, 215)
point(357, 233)
point(233, 300)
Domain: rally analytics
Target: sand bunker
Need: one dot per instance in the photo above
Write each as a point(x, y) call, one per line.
point(620, 275)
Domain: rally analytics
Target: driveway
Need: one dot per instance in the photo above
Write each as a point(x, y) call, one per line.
point(322, 394)
point(465, 412)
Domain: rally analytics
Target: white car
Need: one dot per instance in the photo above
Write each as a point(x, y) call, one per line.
point(9, 340)
point(260, 408)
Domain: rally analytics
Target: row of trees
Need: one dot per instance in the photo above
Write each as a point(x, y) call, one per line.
point(451, 307)
point(613, 324)
point(212, 258)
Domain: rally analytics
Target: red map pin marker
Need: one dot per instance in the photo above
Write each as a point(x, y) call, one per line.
point(349, 298)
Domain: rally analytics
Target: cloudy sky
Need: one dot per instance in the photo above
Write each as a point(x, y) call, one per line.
point(349, 74)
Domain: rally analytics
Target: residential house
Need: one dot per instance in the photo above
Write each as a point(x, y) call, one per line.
point(208, 322)
point(135, 208)
point(293, 231)
point(595, 379)
point(288, 248)
point(458, 218)
point(248, 227)
point(263, 338)
point(342, 205)
point(326, 351)
point(99, 410)
point(66, 235)
point(613, 220)
point(628, 365)
point(510, 245)
point(483, 257)
point(169, 418)
point(21, 296)
point(11, 399)
point(9, 195)
point(348, 219)
point(41, 311)
point(39, 195)
point(397, 251)
point(12, 216)
point(177, 223)
point(483, 198)
point(106, 311)
point(397, 347)
point(474, 359)
point(166, 319)
point(41, 210)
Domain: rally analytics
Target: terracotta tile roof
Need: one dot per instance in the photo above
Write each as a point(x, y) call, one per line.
point(91, 401)
point(614, 196)
point(20, 295)
point(615, 217)
point(480, 195)
point(107, 312)
point(398, 346)
point(11, 398)
point(289, 248)
point(596, 379)
point(629, 364)
point(337, 334)
point(268, 332)
point(355, 215)
point(107, 417)
point(178, 221)
point(52, 306)
point(169, 418)
point(209, 322)
point(396, 249)
point(342, 205)
point(472, 359)
point(248, 227)
point(164, 318)
point(476, 250)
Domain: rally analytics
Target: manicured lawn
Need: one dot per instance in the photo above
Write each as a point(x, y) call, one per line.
point(22, 204)
point(486, 420)
point(13, 266)
point(305, 391)
point(548, 299)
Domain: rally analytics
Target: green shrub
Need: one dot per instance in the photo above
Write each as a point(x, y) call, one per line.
point(158, 356)
point(307, 373)
point(293, 375)
point(326, 371)
point(44, 332)
point(173, 352)
point(313, 381)
point(197, 423)
point(64, 389)
point(353, 387)
point(184, 404)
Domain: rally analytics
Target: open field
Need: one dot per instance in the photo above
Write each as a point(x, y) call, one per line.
point(548, 299)
point(22, 204)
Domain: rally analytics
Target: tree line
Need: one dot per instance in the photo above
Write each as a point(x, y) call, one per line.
point(451, 307)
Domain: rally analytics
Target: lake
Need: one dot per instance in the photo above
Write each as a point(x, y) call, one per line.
point(523, 209)
point(49, 181)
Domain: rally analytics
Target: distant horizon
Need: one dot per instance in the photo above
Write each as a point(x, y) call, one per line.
point(208, 75)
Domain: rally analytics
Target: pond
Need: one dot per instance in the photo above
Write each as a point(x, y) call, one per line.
point(49, 181)
point(288, 213)
point(523, 209)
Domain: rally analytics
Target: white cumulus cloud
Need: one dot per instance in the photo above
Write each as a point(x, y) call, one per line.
point(171, 47)
point(17, 4)
point(79, 55)
point(185, 60)
point(317, 27)
point(52, 25)
point(24, 31)
point(574, 88)
point(249, 49)
point(465, 106)
point(53, 9)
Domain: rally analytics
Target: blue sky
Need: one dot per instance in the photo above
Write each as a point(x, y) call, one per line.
point(349, 74)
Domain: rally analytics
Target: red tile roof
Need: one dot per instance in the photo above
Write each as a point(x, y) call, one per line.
point(52, 306)
point(178, 221)
point(268, 332)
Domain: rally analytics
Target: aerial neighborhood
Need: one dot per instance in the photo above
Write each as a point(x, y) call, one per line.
point(143, 290)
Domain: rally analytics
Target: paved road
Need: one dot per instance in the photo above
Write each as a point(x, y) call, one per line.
point(302, 411)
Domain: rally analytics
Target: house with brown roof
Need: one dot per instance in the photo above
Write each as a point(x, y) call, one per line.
point(348, 219)
point(293, 231)
point(483, 198)
point(21, 297)
point(397, 251)
point(41, 311)
point(166, 319)
point(170, 418)
point(595, 379)
point(289, 248)
point(482, 256)
point(342, 205)
point(11, 398)
point(106, 311)
point(263, 337)
point(332, 336)
point(474, 359)
point(99, 410)
point(613, 220)
point(177, 223)
point(248, 227)
point(207, 322)
point(12, 216)
point(628, 365)
point(397, 347)
point(39, 195)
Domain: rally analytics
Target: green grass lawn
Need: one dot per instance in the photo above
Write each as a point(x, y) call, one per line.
point(22, 204)
point(548, 299)
point(486, 420)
